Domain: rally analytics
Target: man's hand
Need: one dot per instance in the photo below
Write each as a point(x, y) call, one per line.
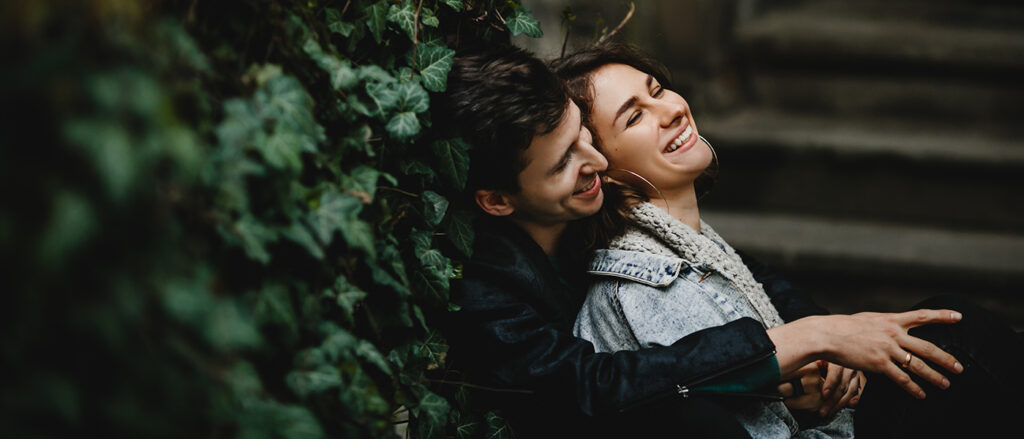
point(872, 342)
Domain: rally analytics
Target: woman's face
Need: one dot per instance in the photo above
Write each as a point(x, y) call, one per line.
point(644, 128)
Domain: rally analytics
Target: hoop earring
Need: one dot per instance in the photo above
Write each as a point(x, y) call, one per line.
point(712, 170)
point(645, 181)
point(714, 155)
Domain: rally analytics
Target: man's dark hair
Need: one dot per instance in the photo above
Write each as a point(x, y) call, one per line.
point(499, 99)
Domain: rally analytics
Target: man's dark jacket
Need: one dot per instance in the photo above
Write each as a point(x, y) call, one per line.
point(513, 335)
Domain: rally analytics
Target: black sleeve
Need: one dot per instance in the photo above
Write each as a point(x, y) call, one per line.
point(506, 325)
point(792, 302)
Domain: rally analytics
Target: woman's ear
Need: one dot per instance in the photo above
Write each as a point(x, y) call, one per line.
point(494, 202)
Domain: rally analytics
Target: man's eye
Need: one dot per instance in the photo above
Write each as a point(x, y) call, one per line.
point(633, 119)
point(658, 92)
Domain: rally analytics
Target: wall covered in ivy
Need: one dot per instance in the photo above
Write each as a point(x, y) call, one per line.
point(232, 219)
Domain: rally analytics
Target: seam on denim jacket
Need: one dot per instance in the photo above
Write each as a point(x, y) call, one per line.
point(622, 314)
point(649, 278)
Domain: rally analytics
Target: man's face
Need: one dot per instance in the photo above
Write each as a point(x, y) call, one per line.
point(560, 182)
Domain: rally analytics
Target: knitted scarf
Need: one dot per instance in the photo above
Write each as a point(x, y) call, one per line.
point(655, 231)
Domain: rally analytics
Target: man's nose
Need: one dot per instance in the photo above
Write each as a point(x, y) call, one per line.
point(594, 161)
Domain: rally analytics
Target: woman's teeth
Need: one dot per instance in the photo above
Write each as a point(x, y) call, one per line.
point(679, 141)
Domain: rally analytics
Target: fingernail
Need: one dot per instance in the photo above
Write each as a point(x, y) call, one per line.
point(826, 391)
point(957, 367)
point(945, 383)
point(855, 400)
point(921, 394)
point(955, 315)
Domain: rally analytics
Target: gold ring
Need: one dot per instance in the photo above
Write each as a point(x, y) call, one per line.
point(906, 363)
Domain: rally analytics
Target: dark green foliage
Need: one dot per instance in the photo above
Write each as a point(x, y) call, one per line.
point(232, 219)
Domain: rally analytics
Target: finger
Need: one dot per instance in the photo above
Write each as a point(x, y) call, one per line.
point(852, 391)
point(927, 350)
point(860, 389)
point(918, 367)
point(898, 376)
point(803, 370)
point(832, 378)
point(786, 389)
point(836, 401)
point(918, 317)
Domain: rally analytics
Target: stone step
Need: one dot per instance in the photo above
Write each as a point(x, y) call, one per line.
point(893, 170)
point(874, 246)
point(877, 35)
point(859, 265)
point(970, 142)
point(885, 94)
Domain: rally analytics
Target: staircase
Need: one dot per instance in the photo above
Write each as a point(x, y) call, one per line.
point(874, 149)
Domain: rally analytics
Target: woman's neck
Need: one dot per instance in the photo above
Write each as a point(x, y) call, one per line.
point(681, 204)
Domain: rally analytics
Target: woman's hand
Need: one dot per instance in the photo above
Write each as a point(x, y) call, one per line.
point(842, 388)
point(872, 342)
point(822, 387)
point(802, 389)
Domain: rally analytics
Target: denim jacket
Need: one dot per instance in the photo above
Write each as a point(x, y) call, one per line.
point(644, 299)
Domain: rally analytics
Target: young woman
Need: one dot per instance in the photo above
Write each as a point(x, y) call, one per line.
point(662, 273)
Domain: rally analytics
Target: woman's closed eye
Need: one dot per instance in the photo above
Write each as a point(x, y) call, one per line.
point(657, 92)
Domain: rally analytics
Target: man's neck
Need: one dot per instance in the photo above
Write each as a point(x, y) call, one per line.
point(545, 235)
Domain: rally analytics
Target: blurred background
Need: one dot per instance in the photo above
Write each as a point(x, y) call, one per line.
point(872, 150)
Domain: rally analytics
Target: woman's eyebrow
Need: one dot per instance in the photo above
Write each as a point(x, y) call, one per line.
point(631, 101)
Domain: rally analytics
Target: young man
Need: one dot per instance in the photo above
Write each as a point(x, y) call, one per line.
point(533, 171)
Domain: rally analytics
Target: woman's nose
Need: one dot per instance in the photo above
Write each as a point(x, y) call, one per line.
point(670, 113)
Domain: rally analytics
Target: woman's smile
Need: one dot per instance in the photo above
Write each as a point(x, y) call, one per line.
point(684, 141)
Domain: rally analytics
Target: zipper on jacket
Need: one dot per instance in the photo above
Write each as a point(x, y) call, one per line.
point(685, 391)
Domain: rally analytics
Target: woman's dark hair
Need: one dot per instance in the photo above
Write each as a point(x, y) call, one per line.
point(576, 70)
point(498, 100)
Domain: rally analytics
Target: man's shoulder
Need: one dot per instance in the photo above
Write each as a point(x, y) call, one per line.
point(500, 242)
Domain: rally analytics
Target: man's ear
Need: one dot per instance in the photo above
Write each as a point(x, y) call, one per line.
point(494, 202)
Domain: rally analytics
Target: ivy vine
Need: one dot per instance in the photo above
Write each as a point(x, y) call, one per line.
point(233, 219)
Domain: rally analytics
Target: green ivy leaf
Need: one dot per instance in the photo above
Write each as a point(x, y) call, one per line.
point(228, 328)
point(335, 23)
point(434, 207)
point(454, 4)
point(403, 126)
point(347, 296)
point(253, 236)
point(298, 233)
point(405, 17)
point(459, 230)
point(343, 76)
point(428, 18)
point(273, 305)
point(381, 276)
point(285, 101)
point(361, 182)
point(410, 96)
point(411, 166)
point(369, 352)
point(305, 383)
point(431, 412)
point(434, 62)
point(340, 212)
point(453, 161)
point(522, 22)
point(376, 19)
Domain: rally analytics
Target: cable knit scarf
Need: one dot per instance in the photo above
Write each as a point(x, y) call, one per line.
point(655, 231)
